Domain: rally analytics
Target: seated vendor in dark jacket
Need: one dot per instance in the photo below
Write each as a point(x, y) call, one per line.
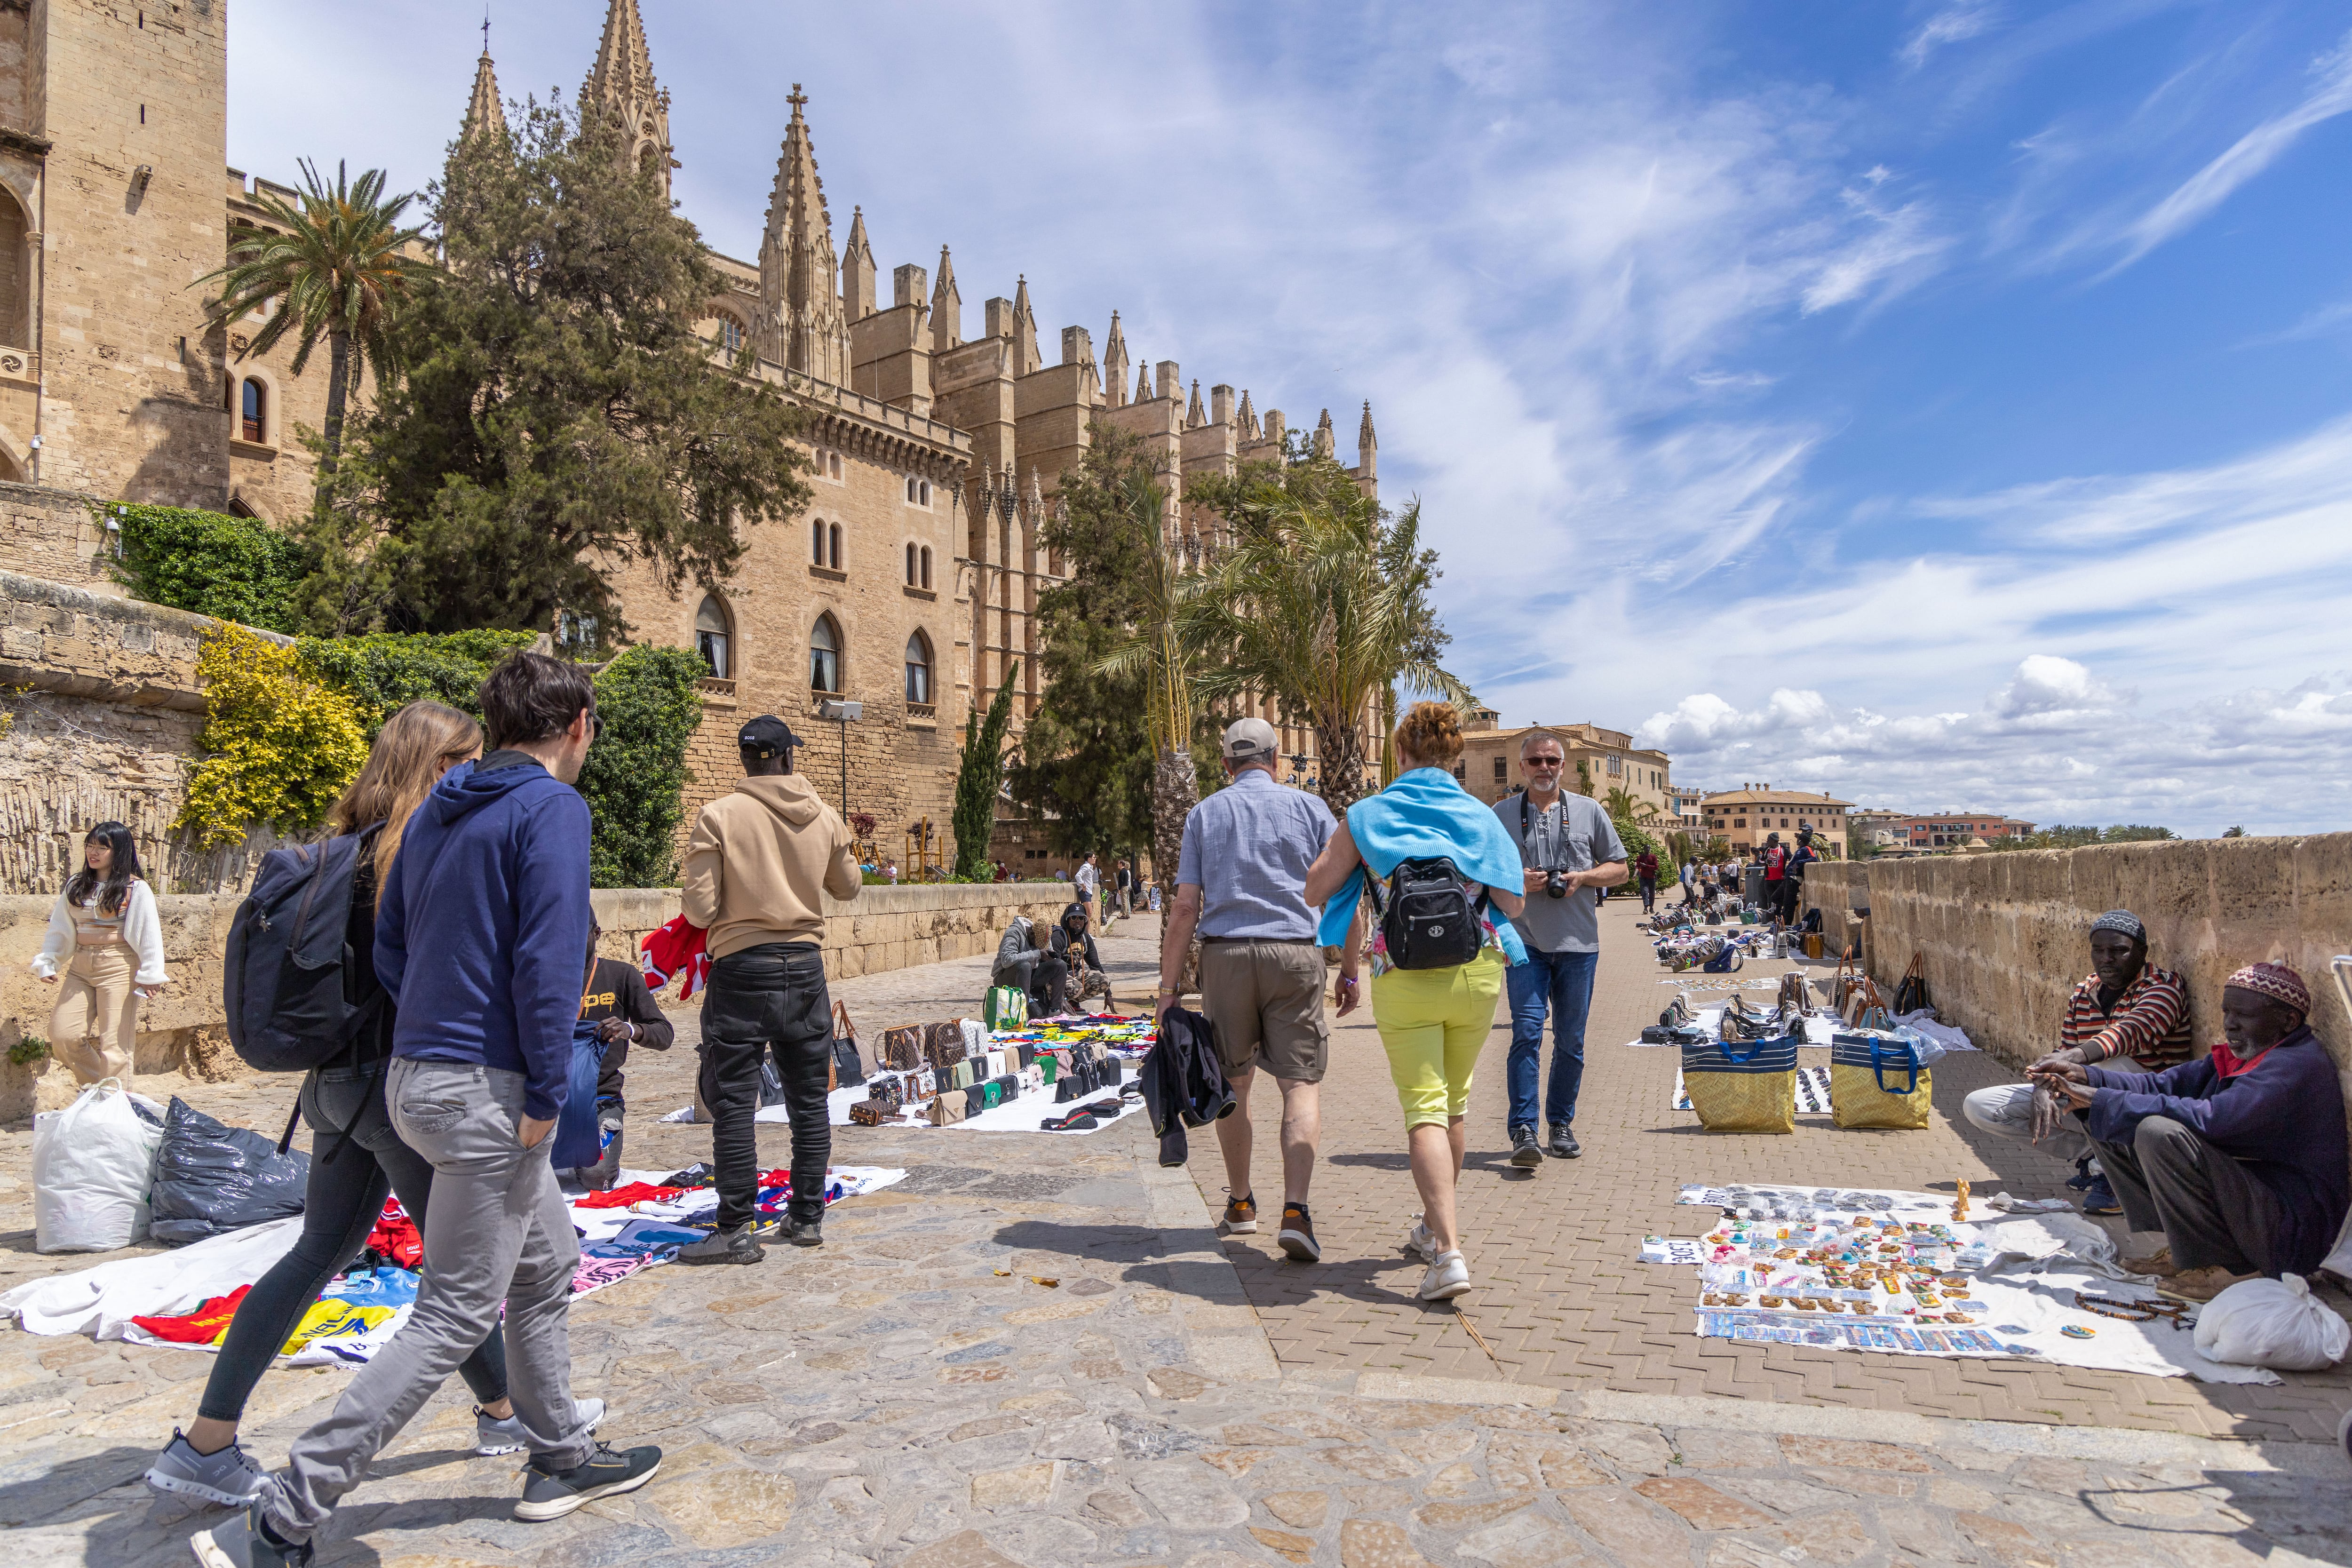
point(1075, 946)
point(2239, 1157)
point(617, 1000)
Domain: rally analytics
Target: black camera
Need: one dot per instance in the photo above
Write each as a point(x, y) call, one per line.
point(1555, 884)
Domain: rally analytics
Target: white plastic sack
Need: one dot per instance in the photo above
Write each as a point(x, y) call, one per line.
point(93, 1164)
point(2273, 1324)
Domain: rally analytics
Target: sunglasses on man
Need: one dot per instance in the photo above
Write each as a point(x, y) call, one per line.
point(1543, 762)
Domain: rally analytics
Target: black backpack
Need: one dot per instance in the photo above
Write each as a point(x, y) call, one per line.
point(294, 996)
point(1427, 918)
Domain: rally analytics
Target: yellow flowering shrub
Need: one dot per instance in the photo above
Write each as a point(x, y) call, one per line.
point(278, 743)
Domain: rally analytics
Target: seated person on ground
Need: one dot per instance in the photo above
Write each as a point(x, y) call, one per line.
point(618, 1002)
point(2239, 1157)
point(2125, 1006)
point(1020, 957)
point(1075, 947)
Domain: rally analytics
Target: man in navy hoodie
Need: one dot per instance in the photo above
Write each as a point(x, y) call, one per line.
point(479, 929)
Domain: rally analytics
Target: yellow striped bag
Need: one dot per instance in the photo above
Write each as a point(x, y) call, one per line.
point(1875, 1080)
point(1743, 1086)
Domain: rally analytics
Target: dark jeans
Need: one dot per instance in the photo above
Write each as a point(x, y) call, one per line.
point(1560, 983)
point(340, 1206)
point(1649, 895)
point(1047, 983)
point(769, 998)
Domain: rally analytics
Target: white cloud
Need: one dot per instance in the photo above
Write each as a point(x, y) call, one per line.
point(1951, 25)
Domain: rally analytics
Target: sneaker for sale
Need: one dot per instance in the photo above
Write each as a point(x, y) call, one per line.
point(227, 1476)
point(551, 1494)
point(1563, 1145)
point(492, 1436)
point(1448, 1276)
point(737, 1246)
point(1241, 1215)
point(2101, 1198)
point(243, 1541)
point(1419, 1243)
point(1297, 1235)
point(1525, 1152)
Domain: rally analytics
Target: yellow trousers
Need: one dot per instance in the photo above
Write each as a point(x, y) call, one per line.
point(1433, 1023)
point(95, 1025)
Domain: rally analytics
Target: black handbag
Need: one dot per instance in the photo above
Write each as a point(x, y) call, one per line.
point(1911, 996)
point(848, 1065)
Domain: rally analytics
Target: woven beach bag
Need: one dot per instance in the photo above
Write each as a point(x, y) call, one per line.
point(1743, 1087)
point(1875, 1080)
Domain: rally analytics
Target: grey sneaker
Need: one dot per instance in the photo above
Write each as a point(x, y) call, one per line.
point(229, 1477)
point(551, 1494)
point(242, 1542)
point(737, 1246)
point(1563, 1145)
point(1526, 1154)
point(492, 1436)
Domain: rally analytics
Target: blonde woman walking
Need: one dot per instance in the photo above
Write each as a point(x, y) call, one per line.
point(1434, 1016)
point(105, 953)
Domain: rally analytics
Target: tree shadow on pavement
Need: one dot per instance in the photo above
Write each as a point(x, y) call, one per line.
point(2307, 1515)
point(1184, 1260)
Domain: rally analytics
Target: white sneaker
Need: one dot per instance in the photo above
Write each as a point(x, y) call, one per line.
point(492, 1436)
point(1448, 1276)
point(227, 1476)
point(1419, 1243)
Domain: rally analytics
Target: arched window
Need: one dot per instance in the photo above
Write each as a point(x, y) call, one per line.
point(911, 580)
point(910, 492)
point(834, 460)
point(816, 540)
point(710, 637)
point(927, 566)
point(824, 657)
point(927, 493)
point(918, 668)
point(256, 412)
point(731, 334)
point(835, 534)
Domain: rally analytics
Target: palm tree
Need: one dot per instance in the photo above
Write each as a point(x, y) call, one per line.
point(1155, 644)
point(1323, 605)
point(336, 266)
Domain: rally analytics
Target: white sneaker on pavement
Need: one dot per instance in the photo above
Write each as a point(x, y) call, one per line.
point(1448, 1276)
point(1419, 1243)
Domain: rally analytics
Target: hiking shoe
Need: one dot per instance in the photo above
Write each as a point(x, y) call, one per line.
point(2101, 1198)
point(492, 1436)
point(2158, 1263)
point(243, 1541)
point(1419, 1243)
point(2201, 1284)
point(1525, 1152)
point(1297, 1235)
point(227, 1476)
point(1563, 1145)
point(737, 1246)
point(1241, 1215)
point(1448, 1276)
point(802, 1232)
point(551, 1494)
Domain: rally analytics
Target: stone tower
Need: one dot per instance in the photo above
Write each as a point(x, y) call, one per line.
point(622, 85)
point(801, 325)
point(485, 115)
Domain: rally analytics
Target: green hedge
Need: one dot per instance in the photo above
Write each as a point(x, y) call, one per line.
point(230, 568)
point(384, 671)
point(650, 700)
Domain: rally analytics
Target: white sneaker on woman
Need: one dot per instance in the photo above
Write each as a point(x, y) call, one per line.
point(1448, 1276)
point(1419, 1243)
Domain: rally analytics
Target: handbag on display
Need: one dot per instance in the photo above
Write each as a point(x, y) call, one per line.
point(1911, 994)
point(1005, 1007)
point(902, 1047)
point(948, 1108)
point(944, 1044)
point(1738, 1086)
point(849, 1064)
point(1876, 1080)
point(871, 1112)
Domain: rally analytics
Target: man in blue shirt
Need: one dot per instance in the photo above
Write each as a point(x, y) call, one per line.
point(1241, 881)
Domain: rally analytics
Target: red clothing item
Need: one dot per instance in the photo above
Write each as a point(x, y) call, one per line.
point(396, 1236)
point(1776, 860)
point(672, 950)
point(621, 1197)
point(204, 1326)
point(2228, 1064)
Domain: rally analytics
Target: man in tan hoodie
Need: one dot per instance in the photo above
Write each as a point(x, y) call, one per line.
point(756, 870)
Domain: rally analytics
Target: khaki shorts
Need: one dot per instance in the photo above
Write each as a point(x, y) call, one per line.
point(1264, 1001)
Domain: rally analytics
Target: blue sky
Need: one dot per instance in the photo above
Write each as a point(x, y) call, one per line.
point(1942, 405)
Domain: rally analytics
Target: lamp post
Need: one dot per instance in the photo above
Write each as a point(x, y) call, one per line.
point(842, 713)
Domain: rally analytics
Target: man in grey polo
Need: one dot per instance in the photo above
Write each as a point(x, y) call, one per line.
point(1241, 881)
point(1569, 848)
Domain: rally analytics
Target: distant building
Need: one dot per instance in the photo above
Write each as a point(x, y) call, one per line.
point(1689, 809)
point(1904, 830)
point(1490, 767)
point(1748, 815)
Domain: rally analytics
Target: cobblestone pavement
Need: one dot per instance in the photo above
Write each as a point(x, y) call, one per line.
point(1560, 1302)
point(916, 1396)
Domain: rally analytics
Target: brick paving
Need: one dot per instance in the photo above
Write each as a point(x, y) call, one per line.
point(1560, 1298)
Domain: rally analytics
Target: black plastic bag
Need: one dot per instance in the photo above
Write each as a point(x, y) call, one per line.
point(211, 1178)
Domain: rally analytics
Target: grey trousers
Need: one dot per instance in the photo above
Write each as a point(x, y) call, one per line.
point(2209, 1206)
point(496, 1232)
point(2005, 1111)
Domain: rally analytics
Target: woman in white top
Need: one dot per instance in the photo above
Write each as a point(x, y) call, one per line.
point(104, 936)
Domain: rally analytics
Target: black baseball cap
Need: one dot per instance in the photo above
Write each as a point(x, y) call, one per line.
point(766, 736)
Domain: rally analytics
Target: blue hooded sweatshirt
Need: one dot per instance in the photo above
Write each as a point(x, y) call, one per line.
point(481, 929)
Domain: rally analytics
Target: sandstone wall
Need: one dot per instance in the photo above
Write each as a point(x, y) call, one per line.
point(182, 1034)
point(2005, 936)
point(54, 535)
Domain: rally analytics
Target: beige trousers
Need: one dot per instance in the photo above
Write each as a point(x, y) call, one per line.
point(95, 1025)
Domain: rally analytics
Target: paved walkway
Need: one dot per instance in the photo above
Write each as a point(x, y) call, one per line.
point(918, 1394)
point(1560, 1302)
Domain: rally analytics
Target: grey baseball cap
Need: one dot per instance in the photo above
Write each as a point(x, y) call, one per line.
point(1251, 740)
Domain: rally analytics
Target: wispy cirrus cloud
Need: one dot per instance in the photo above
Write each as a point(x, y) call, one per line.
point(1952, 25)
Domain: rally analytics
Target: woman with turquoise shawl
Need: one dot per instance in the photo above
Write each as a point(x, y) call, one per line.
point(1432, 1021)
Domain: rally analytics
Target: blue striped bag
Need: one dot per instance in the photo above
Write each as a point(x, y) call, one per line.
point(1743, 1086)
point(1876, 1080)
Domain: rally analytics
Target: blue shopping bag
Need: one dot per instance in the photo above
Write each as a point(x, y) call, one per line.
point(578, 1142)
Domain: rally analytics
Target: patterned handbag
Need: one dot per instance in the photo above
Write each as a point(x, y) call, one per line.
point(902, 1047)
point(1875, 1080)
point(1743, 1087)
point(944, 1044)
point(871, 1112)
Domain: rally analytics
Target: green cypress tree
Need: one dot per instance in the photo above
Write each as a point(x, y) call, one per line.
point(977, 779)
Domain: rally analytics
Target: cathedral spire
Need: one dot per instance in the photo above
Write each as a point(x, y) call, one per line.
point(947, 308)
point(1115, 364)
point(1248, 418)
point(801, 325)
point(621, 85)
point(1144, 383)
point(485, 117)
point(1368, 453)
point(1196, 416)
point(858, 297)
point(1325, 444)
point(1024, 329)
